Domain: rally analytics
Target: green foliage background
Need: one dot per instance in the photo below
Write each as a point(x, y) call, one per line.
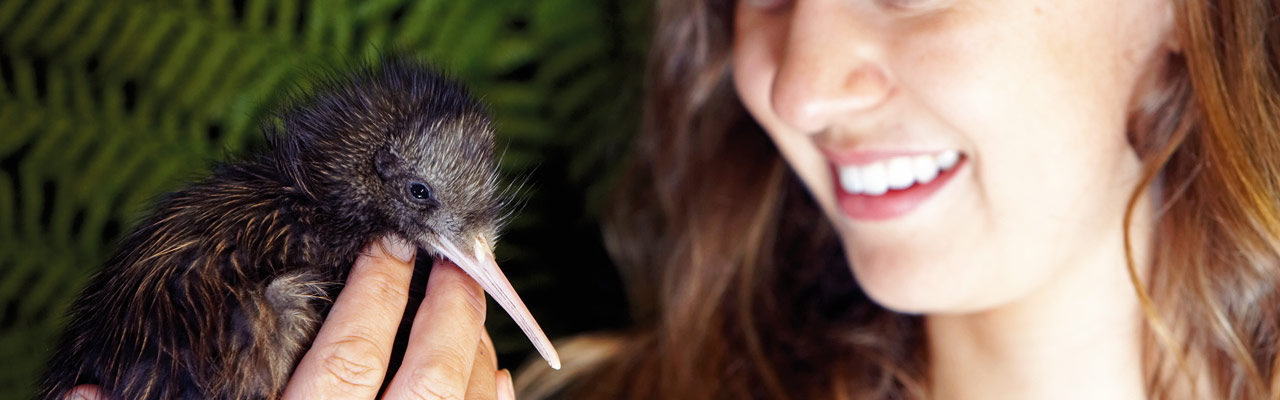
point(106, 104)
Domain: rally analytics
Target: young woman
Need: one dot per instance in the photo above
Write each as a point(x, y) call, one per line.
point(1037, 199)
point(906, 199)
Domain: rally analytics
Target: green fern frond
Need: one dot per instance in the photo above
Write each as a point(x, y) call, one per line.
point(106, 104)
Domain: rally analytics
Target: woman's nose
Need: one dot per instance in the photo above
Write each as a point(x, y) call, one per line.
point(832, 66)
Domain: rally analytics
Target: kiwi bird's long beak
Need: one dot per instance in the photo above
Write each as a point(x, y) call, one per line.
point(476, 258)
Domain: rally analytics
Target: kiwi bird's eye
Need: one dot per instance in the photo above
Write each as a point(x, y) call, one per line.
point(419, 191)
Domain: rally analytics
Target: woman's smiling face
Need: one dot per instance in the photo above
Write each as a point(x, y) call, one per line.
point(969, 152)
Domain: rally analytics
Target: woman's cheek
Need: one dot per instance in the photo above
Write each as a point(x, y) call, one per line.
point(755, 66)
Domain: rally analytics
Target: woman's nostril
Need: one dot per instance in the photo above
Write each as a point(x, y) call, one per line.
point(865, 87)
point(809, 101)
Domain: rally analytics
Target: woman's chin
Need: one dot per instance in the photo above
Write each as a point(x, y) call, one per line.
point(907, 299)
point(920, 287)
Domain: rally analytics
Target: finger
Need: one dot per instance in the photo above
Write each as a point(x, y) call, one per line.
point(506, 387)
point(443, 340)
point(484, 383)
point(349, 356)
point(487, 341)
point(86, 392)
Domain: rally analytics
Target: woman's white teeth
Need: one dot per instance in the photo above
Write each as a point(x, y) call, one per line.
point(896, 173)
point(851, 180)
point(948, 159)
point(925, 168)
point(875, 179)
point(901, 175)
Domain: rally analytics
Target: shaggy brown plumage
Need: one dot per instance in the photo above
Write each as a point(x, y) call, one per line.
point(221, 290)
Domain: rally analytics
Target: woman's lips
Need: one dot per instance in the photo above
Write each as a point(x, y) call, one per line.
point(888, 186)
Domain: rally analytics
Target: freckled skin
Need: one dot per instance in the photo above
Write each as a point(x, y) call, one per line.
point(221, 290)
point(1035, 93)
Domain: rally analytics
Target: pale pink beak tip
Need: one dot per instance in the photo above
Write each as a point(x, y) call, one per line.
point(481, 266)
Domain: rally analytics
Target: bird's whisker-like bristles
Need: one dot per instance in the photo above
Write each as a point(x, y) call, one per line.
point(220, 290)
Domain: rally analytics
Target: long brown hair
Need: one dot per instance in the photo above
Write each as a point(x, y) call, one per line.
point(740, 288)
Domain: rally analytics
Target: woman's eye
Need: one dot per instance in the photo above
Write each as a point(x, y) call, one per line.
point(419, 191)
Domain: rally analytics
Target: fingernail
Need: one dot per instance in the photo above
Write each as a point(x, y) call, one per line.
point(506, 389)
point(399, 248)
point(85, 392)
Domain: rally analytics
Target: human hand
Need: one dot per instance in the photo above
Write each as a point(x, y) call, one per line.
point(450, 355)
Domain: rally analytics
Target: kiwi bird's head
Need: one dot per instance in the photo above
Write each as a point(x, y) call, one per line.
point(406, 151)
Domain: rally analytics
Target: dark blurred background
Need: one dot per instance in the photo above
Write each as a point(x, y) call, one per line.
point(106, 104)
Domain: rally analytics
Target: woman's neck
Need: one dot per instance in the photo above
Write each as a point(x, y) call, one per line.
point(1069, 347)
point(1078, 337)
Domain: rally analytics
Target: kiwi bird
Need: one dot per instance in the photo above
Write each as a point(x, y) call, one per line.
point(220, 291)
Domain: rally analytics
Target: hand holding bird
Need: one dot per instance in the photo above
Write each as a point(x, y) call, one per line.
point(221, 292)
point(362, 324)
